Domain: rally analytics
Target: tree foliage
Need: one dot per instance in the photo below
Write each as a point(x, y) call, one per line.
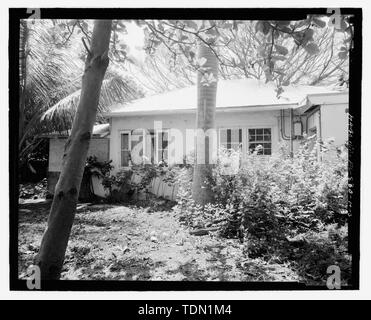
point(311, 51)
point(291, 210)
point(51, 79)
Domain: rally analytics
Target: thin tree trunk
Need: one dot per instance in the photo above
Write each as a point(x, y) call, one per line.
point(206, 105)
point(23, 52)
point(54, 243)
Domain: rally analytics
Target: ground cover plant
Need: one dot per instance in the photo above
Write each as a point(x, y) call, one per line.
point(286, 209)
point(284, 219)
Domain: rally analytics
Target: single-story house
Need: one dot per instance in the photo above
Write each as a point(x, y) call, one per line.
point(248, 114)
point(99, 147)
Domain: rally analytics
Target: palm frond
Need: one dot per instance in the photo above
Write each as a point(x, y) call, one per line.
point(50, 68)
point(114, 89)
point(51, 80)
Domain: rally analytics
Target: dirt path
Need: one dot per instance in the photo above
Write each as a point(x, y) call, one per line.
point(119, 242)
point(140, 245)
point(129, 243)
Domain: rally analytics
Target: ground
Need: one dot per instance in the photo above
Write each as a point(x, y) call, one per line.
point(125, 242)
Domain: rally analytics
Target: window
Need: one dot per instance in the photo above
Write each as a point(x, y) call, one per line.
point(231, 138)
point(125, 149)
point(143, 146)
point(162, 146)
point(262, 137)
point(150, 146)
point(137, 146)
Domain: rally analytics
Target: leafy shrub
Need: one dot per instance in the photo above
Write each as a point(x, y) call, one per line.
point(139, 177)
point(120, 179)
point(98, 168)
point(276, 204)
point(33, 190)
point(118, 185)
point(93, 167)
point(319, 250)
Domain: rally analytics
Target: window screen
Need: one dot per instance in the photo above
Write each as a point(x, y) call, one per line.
point(260, 137)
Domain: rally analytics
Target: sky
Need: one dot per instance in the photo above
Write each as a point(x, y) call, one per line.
point(134, 39)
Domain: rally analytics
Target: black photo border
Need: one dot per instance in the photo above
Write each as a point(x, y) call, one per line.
point(355, 68)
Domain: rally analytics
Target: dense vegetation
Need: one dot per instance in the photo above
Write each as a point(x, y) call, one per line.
point(286, 209)
point(283, 209)
point(289, 210)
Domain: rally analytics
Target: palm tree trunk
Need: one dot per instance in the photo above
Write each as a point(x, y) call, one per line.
point(54, 243)
point(205, 120)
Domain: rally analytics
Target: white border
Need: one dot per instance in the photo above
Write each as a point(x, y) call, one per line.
point(365, 286)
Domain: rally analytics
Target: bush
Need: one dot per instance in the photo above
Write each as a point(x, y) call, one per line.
point(138, 179)
point(118, 185)
point(299, 191)
point(34, 190)
point(273, 205)
point(93, 167)
point(319, 250)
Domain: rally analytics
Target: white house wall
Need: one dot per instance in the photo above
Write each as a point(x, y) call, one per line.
point(98, 147)
point(263, 119)
point(334, 123)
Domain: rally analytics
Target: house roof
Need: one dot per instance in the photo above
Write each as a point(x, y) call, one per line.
point(231, 94)
point(99, 130)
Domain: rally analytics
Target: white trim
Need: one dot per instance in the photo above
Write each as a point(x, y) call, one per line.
point(193, 110)
point(260, 127)
point(233, 127)
point(245, 135)
point(144, 137)
point(121, 132)
point(157, 132)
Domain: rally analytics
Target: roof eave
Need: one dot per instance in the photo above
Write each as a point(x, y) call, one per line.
point(340, 97)
point(257, 108)
point(62, 136)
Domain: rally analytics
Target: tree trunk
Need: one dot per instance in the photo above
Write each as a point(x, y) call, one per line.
point(205, 120)
point(23, 53)
point(54, 243)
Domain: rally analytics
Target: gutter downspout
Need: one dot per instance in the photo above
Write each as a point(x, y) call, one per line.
point(292, 133)
point(320, 124)
point(319, 134)
point(284, 137)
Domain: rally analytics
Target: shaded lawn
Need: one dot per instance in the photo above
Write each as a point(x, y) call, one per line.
point(122, 242)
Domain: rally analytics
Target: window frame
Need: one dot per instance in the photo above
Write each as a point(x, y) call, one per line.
point(270, 141)
point(157, 149)
point(245, 137)
point(147, 134)
point(128, 132)
point(232, 128)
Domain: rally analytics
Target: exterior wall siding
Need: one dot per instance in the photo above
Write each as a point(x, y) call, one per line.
point(334, 123)
point(99, 147)
point(262, 119)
